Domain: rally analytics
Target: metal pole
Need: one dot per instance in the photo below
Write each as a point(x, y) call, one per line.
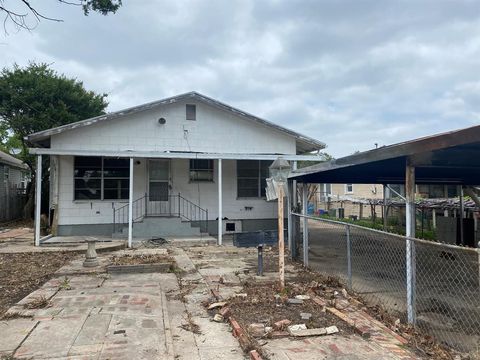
point(349, 258)
point(410, 245)
point(281, 241)
point(289, 216)
point(462, 210)
point(130, 205)
point(305, 225)
point(384, 208)
point(38, 199)
point(220, 222)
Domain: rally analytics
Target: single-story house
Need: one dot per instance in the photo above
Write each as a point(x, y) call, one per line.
point(169, 167)
point(13, 182)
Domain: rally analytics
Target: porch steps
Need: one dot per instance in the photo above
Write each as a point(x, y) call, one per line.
point(160, 226)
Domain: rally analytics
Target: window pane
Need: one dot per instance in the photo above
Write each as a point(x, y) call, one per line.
point(115, 194)
point(115, 183)
point(201, 175)
point(88, 161)
point(88, 173)
point(88, 194)
point(191, 111)
point(158, 191)
point(201, 170)
point(247, 192)
point(158, 170)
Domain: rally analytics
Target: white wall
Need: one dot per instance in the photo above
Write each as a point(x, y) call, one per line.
point(204, 194)
point(214, 131)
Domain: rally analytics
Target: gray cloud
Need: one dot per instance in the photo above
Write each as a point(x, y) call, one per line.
point(350, 73)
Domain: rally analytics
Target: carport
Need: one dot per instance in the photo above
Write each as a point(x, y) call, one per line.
point(451, 158)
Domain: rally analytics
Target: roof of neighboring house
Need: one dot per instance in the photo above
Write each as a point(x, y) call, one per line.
point(448, 158)
point(304, 143)
point(11, 160)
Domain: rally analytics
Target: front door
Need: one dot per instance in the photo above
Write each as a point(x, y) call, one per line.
point(158, 187)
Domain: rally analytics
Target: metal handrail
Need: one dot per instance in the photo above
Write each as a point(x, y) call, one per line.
point(175, 205)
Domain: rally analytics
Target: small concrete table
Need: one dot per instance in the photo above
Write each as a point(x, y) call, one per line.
point(91, 255)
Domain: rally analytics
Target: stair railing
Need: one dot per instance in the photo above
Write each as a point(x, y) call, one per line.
point(173, 205)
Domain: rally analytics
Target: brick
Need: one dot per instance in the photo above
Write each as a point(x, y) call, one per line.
point(254, 355)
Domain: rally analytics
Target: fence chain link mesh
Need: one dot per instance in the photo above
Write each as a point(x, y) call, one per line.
point(446, 277)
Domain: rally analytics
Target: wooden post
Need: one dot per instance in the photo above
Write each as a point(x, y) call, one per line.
point(305, 224)
point(38, 199)
point(281, 242)
point(384, 208)
point(410, 245)
point(461, 212)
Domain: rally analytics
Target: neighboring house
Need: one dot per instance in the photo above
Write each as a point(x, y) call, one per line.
point(194, 160)
point(13, 182)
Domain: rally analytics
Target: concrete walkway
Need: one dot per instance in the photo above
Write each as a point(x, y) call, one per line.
point(94, 315)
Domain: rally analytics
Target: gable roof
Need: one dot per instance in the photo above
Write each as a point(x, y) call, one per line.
point(304, 143)
point(11, 160)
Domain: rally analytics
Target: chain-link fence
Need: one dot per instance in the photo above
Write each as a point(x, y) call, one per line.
point(443, 286)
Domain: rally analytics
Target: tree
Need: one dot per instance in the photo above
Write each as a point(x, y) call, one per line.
point(37, 98)
point(20, 12)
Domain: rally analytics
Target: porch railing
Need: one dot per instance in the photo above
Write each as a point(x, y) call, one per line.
point(173, 206)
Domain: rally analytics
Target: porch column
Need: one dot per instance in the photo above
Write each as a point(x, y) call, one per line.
point(410, 245)
point(38, 199)
point(305, 223)
point(220, 215)
point(130, 205)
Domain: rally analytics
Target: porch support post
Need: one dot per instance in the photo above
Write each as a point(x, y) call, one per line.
point(289, 215)
point(220, 215)
point(410, 244)
point(305, 223)
point(38, 199)
point(130, 205)
point(384, 208)
point(462, 214)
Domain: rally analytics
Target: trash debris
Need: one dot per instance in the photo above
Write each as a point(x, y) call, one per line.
point(297, 327)
point(282, 324)
point(302, 297)
point(218, 318)
point(312, 332)
point(256, 330)
point(295, 301)
point(344, 293)
point(217, 305)
point(305, 316)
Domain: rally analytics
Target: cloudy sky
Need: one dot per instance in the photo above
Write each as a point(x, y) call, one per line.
point(349, 73)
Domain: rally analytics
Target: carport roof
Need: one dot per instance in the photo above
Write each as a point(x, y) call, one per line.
point(448, 158)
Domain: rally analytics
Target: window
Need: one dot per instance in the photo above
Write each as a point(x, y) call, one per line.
point(191, 112)
point(251, 178)
point(201, 170)
point(98, 178)
point(6, 174)
point(348, 188)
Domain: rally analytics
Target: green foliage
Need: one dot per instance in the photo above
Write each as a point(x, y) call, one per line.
point(37, 98)
point(103, 7)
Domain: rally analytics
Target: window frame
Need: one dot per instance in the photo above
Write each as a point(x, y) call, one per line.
point(259, 178)
point(102, 179)
point(210, 169)
point(346, 189)
point(193, 110)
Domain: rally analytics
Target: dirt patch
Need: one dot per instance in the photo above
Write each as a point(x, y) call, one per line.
point(22, 273)
point(140, 259)
point(266, 304)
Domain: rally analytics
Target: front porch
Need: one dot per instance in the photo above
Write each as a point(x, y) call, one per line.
point(139, 195)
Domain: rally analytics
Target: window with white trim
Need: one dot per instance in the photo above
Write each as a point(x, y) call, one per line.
point(252, 178)
point(201, 170)
point(191, 112)
point(98, 178)
point(348, 188)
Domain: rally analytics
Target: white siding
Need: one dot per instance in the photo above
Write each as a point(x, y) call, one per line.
point(204, 194)
point(214, 131)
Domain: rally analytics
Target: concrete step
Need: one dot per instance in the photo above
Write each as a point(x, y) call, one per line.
point(160, 227)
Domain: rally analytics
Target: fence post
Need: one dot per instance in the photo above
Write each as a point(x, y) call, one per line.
point(305, 224)
point(349, 258)
point(410, 244)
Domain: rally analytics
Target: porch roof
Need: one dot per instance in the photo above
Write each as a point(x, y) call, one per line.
point(173, 155)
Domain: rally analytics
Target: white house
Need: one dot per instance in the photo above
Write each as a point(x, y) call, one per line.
point(173, 166)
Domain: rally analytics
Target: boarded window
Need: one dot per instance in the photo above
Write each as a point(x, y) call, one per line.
point(191, 112)
point(252, 178)
point(98, 178)
point(201, 170)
